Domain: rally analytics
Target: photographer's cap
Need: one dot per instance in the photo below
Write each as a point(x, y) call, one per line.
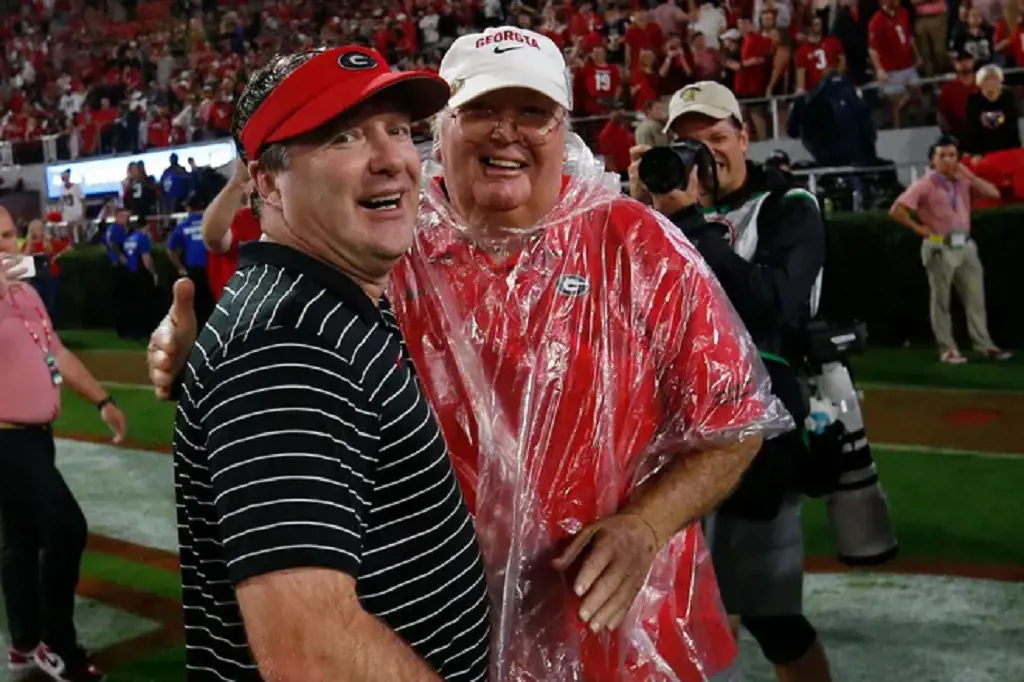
point(707, 98)
point(498, 58)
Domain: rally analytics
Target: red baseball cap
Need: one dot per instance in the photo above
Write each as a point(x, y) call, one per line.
point(331, 83)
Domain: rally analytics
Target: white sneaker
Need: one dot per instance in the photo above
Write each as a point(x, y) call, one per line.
point(952, 357)
point(21, 663)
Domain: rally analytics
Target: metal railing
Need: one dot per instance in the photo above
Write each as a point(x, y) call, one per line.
point(785, 100)
point(65, 146)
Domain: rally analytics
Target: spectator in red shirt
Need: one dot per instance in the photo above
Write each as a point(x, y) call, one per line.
point(39, 242)
point(705, 61)
point(15, 127)
point(614, 142)
point(642, 35)
point(227, 222)
point(554, 29)
point(675, 70)
point(220, 114)
point(105, 117)
point(643, 86)
point(752, 78)
point(158, 130)
point(817, 56)
point(601, 81)
point(585, 22)
point(894, 56)
point(1016, 47)
point(953, 97)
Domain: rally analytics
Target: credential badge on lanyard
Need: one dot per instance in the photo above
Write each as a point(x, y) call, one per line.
point(47, 350)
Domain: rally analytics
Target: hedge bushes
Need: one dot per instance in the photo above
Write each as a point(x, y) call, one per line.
point(87, 298)
point(873, 273)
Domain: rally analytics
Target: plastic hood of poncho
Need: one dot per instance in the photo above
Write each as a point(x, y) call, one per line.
point(563, 377)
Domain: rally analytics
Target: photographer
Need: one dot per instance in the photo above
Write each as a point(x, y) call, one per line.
point(764, 239)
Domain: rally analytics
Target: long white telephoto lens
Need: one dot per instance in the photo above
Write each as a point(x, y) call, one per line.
point(857, 509)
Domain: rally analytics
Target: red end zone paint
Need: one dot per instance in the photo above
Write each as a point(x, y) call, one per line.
point(972, 417)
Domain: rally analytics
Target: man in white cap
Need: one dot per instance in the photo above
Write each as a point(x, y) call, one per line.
point(594, 388)
point(765, 241)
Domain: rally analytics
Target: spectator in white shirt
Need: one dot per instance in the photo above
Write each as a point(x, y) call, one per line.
point(711, 22)
point(428, 25)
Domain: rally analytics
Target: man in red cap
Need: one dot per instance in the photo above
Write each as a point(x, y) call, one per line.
point(322, 530)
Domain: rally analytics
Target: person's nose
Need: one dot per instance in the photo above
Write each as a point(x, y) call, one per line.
point(505, 128)
point(386, 158)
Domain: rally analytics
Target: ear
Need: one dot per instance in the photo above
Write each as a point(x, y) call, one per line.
point(266, 185)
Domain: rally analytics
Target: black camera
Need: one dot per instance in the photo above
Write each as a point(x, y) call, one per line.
point(664, 169)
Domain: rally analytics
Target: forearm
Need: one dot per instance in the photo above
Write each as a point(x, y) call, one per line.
point(147, 262)
point(329, 640)
point(368, 652)
point(216, 227)
point(875, 61)
point(901, 214)
point(691, 486)
point(78, 378)
point(175, 260)
point(983, 187)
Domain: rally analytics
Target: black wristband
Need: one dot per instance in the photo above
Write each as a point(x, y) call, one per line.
point(103, 403)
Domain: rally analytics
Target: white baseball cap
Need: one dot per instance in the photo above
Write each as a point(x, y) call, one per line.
point(706, 97)
point(479, 63)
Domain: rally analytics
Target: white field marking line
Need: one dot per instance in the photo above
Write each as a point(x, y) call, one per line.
point(135, 387)
point(869, 385)
point(952, 452)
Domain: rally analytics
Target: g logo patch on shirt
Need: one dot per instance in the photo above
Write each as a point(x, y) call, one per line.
point(573, 285)
point(356, 61)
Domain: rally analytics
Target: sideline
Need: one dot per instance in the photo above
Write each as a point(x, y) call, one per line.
point(883, 386)
point(951, 452)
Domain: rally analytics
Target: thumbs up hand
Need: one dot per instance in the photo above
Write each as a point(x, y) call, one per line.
point(170, 343)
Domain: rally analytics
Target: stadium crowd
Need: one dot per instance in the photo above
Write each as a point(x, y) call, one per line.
point(134, 75)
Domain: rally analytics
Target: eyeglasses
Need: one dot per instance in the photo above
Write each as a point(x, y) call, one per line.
point(533, 126)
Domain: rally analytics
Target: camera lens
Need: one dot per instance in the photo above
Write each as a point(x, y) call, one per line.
point(662, 170)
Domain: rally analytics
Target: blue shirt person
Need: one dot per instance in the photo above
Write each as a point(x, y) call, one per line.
point(113, 239)
point(138, 249)
point(187, 239)
point(175, 185)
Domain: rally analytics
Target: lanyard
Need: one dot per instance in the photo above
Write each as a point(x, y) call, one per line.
point(51, 361)
point(951, 189)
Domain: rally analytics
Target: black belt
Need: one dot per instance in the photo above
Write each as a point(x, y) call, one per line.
point(946, 239)
point(8, 426)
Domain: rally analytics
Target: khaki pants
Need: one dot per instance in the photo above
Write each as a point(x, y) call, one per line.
point(949, 267)
point(930, 34)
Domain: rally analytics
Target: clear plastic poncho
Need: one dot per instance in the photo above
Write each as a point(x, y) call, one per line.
point(594, 351)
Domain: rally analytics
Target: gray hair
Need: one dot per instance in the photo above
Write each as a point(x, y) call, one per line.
point(988, 71)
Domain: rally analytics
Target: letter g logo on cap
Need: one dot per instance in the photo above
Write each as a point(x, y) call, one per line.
point(356, 61)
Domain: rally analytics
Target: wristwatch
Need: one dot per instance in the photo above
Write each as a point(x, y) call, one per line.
point(103, 403)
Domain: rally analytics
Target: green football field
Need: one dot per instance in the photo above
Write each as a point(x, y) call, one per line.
point(951, 507)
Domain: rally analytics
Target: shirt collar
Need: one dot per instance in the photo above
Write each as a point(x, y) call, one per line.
point(327, 276)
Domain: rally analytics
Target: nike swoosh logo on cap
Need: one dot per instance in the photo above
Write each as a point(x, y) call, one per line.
point(503, 50)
